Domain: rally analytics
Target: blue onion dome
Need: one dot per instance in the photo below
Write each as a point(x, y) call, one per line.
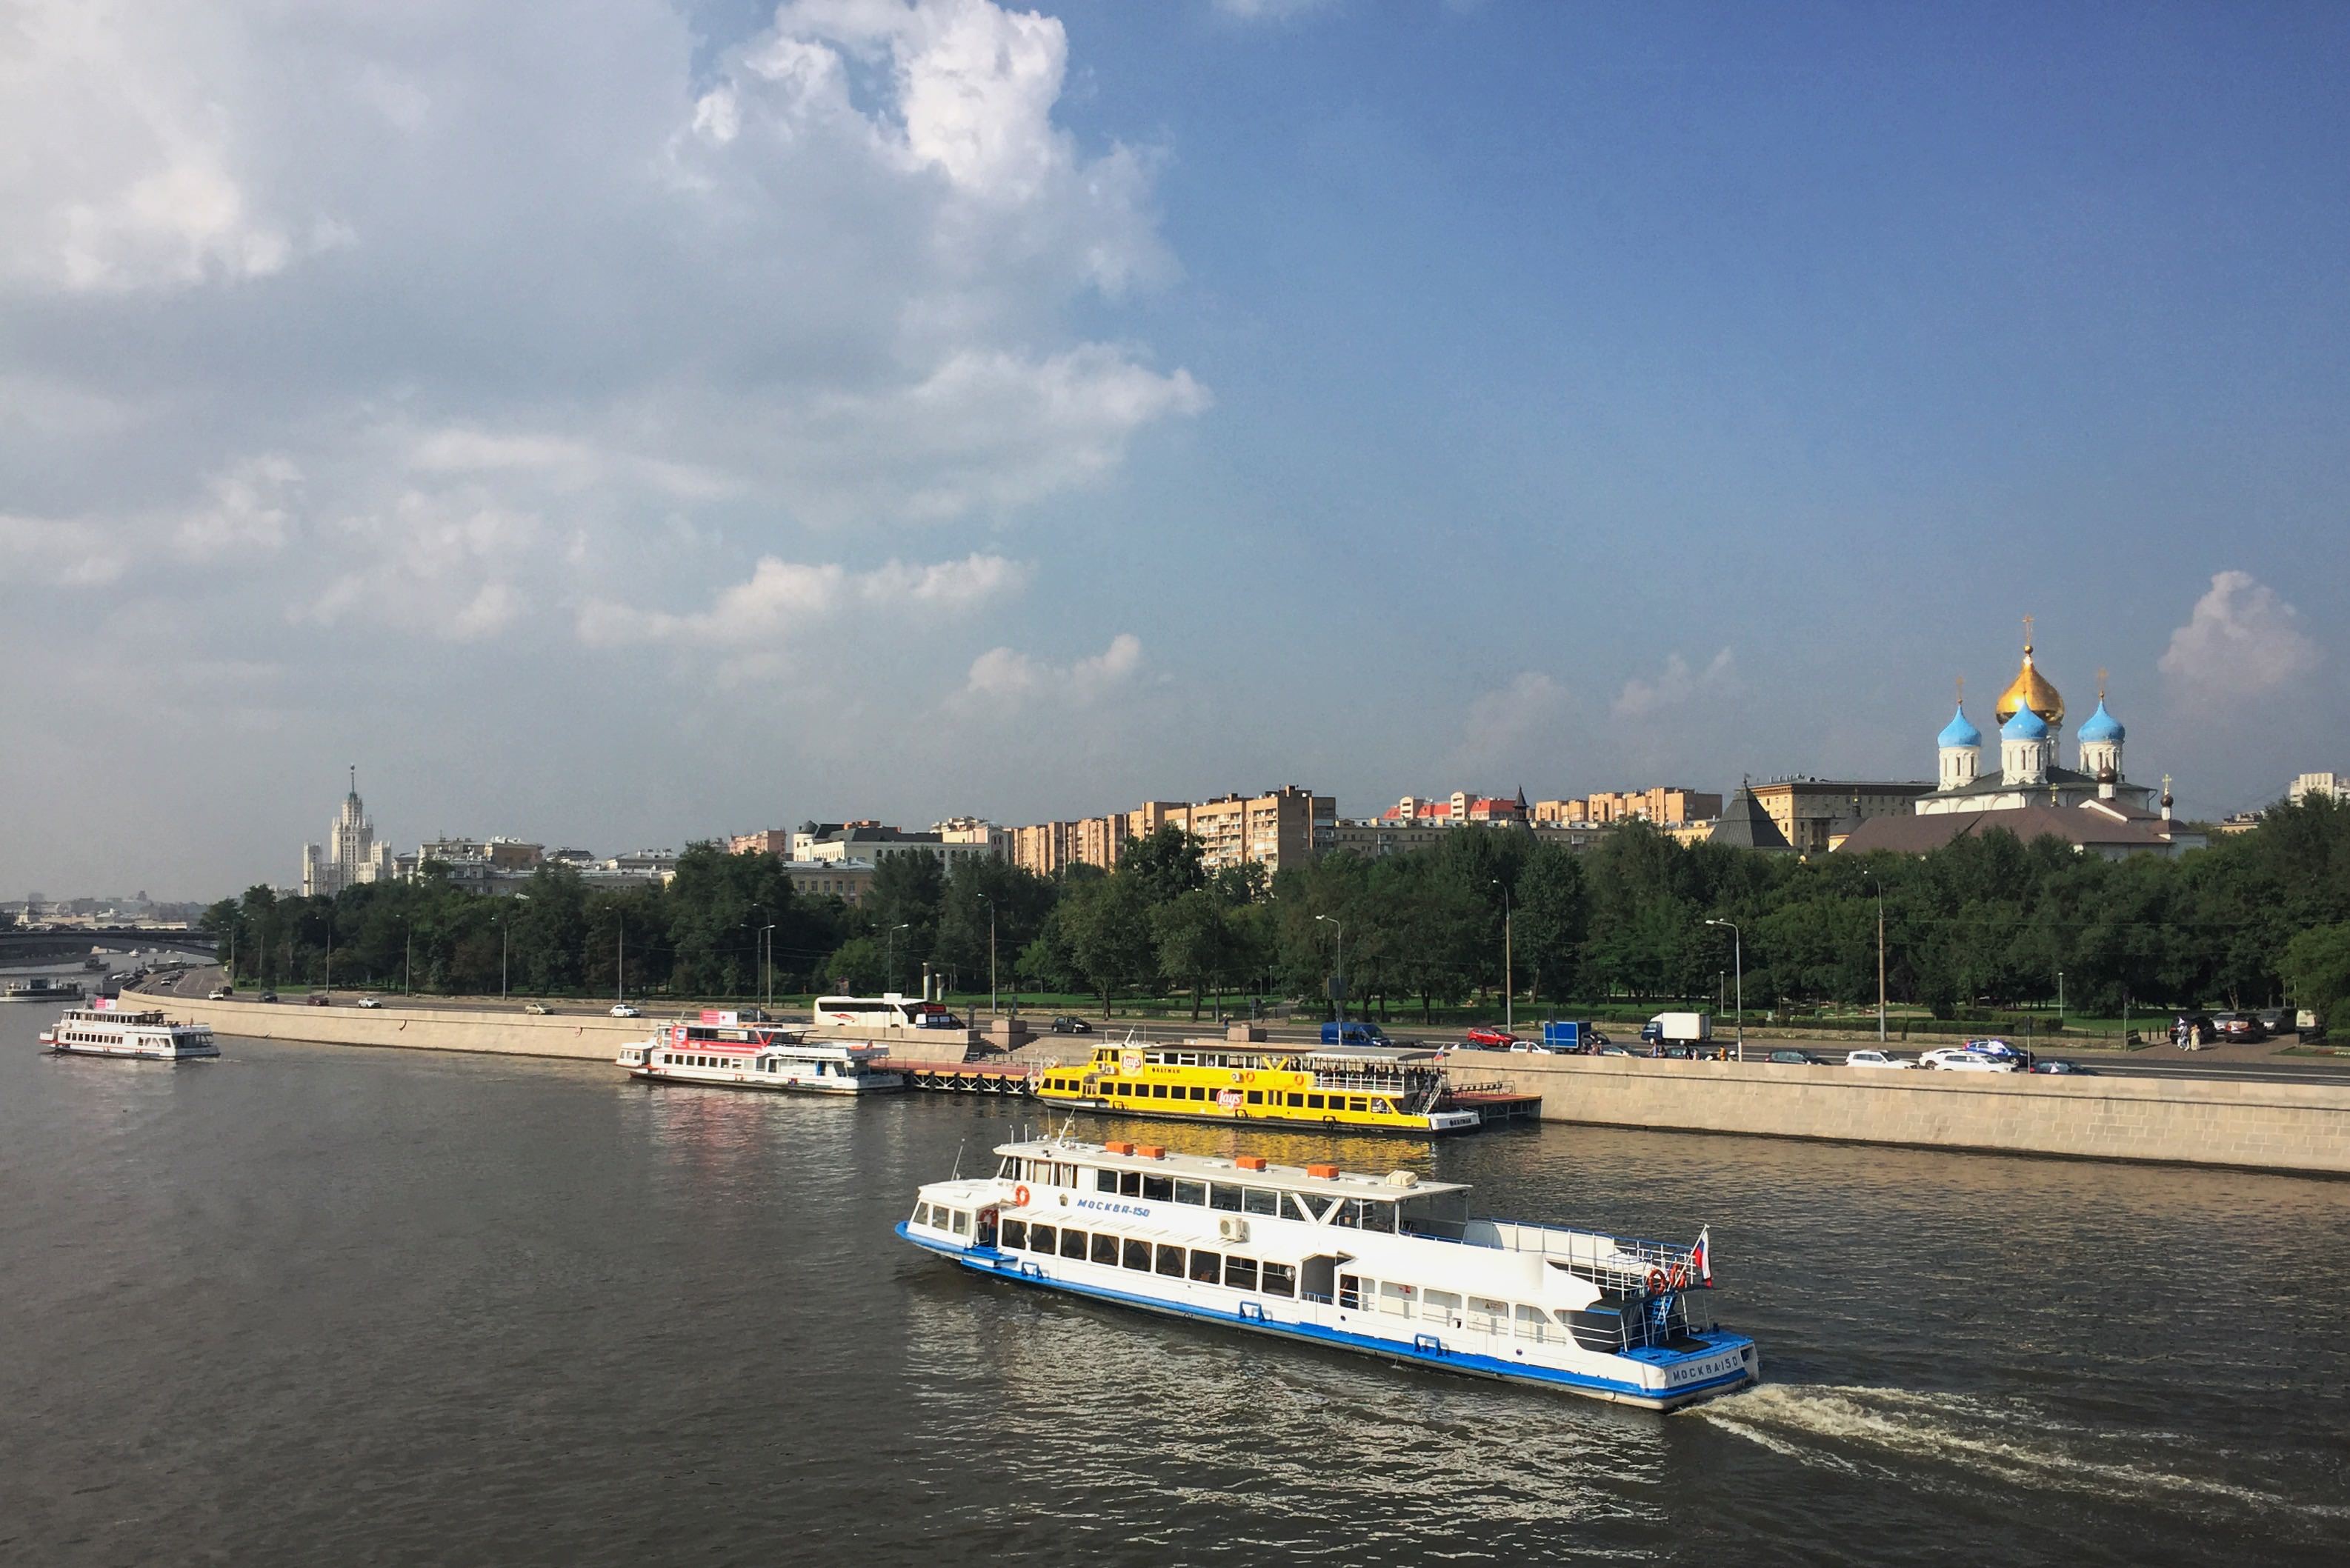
point(1958, 732)
point(2026, 725)
point(2101, 726)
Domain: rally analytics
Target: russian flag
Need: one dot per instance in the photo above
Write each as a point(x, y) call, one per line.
point(1698, 1259)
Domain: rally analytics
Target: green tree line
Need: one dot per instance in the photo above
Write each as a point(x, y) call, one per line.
point(2257, 918)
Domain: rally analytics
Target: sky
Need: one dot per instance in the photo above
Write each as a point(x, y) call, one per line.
point(624, 424)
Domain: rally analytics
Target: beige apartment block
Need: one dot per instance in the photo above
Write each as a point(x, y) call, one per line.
point(1810, 810)
point(1664, 804)
point(1045, 847)
point(767, 841)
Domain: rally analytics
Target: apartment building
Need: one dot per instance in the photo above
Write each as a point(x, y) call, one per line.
point(1281, 827)
point(776, 841)
point(1459, 808)
point(1664, 804)
point(1809, 812)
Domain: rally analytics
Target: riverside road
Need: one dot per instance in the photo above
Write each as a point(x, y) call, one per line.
point(2257, 1062)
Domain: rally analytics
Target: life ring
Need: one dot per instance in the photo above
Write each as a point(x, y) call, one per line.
point(1658, 1284)
point(1020, 1198)
point(1676, 1277)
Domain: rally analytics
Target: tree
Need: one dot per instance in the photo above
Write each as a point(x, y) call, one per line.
point(2316, 970)
point(1192, 942)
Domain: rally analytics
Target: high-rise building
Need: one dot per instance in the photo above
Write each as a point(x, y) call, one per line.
point(2333, 786)
point(350, 856)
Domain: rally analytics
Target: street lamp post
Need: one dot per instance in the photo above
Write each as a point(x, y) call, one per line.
point(891, 983)
point(1881, 956)
point(502, 929)
point(1339, 989)
point(994, 997)
point(1738, 967)
point(2060, 998)
point(1509, 975)
point(766, 967)
point(406, 957)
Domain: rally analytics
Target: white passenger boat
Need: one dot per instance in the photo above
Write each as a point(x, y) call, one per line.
point(736, 1056)
point(41, 988)
point(103, 1030)
point(1390, 1265)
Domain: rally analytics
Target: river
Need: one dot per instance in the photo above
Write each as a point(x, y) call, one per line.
point(318, 1306)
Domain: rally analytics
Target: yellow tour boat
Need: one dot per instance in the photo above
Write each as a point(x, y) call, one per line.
point(1359, 1088)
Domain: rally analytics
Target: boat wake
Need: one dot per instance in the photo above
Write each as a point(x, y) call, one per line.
point(1886, 1435)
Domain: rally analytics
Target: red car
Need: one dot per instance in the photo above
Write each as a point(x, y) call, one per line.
point(1486, 1034)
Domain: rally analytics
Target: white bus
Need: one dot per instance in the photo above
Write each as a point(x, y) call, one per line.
point(892, 1010)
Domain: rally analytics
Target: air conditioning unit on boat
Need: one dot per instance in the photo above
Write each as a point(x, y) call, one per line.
point(1232, 1227)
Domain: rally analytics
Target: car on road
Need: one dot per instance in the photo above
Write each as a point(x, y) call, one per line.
point(217, 993)
point(2243, 1027)
point(267, 996)
point(1796, 1059)
point(535, 1007)
point(1611, 1051)
point(369, 1001)
point(1488, 1035)
point(320, 999)
point(1875, 1059)
point(1958, 1059)
point(2055, 1068)
point(622, 1010)
point(1065, 1024)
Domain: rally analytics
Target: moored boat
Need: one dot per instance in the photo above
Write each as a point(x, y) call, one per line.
point(1354, 1088)
point(103, 1030)
point(1389, 1265)
point(41, 988)
point(723, 1052)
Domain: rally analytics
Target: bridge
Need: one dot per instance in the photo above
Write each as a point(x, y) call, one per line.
point(18, 945)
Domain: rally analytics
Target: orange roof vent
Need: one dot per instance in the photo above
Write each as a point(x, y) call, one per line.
point(1251, 1162)
point(1151, 1151)
point(1322, 1171)
point(1118, 1148)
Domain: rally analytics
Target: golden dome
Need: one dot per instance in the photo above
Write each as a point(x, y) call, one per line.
point(2031, 690)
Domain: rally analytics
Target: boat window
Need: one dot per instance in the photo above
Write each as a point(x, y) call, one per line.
point(1072, 1243)
point(1224, 1195)
point(1350, 1290)
point(1315, 1102)
point(1008, 1168)
point(1129, 1184)
point(1159, 1188)
point(1298, 1100)
point(1377, 1215)
point(1280, 1280)
point(1207, 1268)
point(1356, 1103)
point(1256, 1097)
point(1382, 1107)
point(1261, 1200)
point(1240, 1273)
point(922, 1214)
point(1046, 1237)
point(1492, 1316)
point(1105, 1179)
point(1343, 1212)
point(1159, 1091)
point(1295, 1208)
point(1532, 1322)
point(1170, 1260)
point(961, 1223)
point(1192, 1192)
point(1395, 1300)
point(1138, 1255)
point(1445, 1304)
point(1105, 1248)
point(1014, 1234)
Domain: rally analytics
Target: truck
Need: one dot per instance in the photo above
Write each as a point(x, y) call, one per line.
point(1677, 1029)
point(1354, 1032)
point(1568, 1036)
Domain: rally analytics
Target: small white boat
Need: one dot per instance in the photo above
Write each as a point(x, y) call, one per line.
point(735, 1055)
point(1387, 1265)
point(101, 1029)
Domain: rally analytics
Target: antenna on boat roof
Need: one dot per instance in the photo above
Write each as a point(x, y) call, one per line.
point(957, 1164)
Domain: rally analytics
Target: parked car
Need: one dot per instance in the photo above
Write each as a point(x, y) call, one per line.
point(534, 1007)
point(622, 1010)
point(1490, 1034)
point(2050, 1065)
point(2238, 1026)
point(267, 996)
point(2193, 1031)
point(1065, 1024)
point(1875, 1059)
point(1958, 1059)
point(370, 1002)
point(1678, 1054)
point(1796, 1059)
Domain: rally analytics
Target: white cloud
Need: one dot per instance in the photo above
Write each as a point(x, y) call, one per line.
point(1499, 723)
point(1270, 10)
point(251, 511)
point(1007, 677)
point(784, 600)
point(443, 563)
point(50, 550)
point(2241, 641)
point(1676, 684)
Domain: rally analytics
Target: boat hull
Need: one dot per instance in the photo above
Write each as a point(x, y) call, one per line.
point(1441, 1124)
point(1725, 1364)
point(774, 1085)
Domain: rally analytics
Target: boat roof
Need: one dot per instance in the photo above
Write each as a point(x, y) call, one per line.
point(1291, 1177)
point(1396, 1053)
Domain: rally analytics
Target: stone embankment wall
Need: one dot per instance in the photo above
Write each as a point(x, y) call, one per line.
point(2257, 1123)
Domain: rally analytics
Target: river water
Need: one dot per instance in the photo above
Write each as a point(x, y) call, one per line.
point(310, 1305)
